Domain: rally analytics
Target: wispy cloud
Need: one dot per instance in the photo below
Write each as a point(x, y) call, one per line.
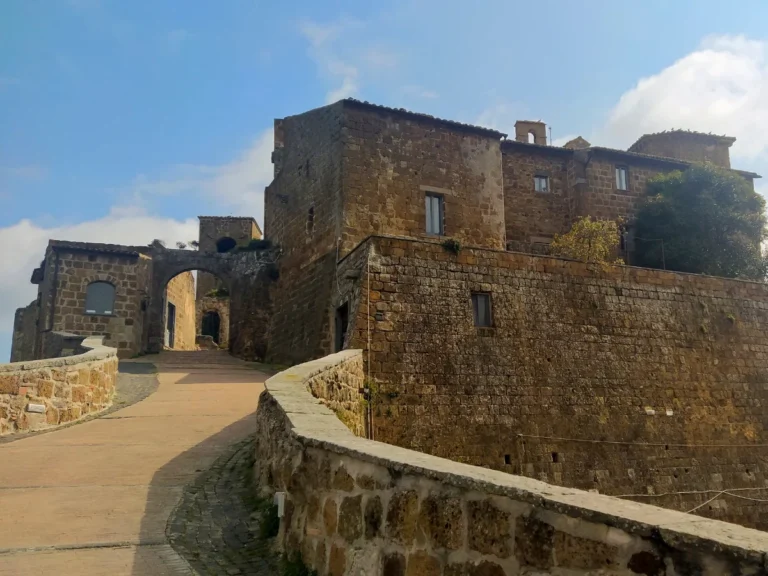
point(237, 186)
point(321, 38)
point(380, 58)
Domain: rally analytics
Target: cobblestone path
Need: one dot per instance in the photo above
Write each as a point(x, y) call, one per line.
point(216, 525)
point(95, 498)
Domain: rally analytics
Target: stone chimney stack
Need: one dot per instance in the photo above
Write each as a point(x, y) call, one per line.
point(534, 132)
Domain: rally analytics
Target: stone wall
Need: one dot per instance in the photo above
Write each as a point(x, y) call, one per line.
point(354, 506)
point(340, 390)
point(63, 389)
point(73, 271)
point(391, 160)
point(221, 307)
point(602, 200)
point(212, 229)
point(532, 215)
point(629, 381)
point(302, 215)
point(24, 333)
point(690, 146)
point(180, 292)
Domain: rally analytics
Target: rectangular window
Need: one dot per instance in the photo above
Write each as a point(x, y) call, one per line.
point(621, 178)
point(434, 206)
point(481, 309)
point(541, 183)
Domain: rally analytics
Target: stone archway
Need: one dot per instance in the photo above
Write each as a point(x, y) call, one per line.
point(240, 271)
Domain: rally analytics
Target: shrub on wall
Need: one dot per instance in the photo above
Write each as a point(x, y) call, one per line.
point(589, 241)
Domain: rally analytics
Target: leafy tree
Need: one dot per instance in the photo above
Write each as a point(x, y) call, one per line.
point(707, 220)
point(589, 241)
point(181, 245)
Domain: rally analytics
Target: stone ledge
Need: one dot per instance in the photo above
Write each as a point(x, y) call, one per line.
point(97, 351)
point(315, 426)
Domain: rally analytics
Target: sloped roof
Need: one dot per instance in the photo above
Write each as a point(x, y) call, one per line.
point(425, 117)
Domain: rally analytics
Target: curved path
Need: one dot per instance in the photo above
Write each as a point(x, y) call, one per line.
point(94, 498)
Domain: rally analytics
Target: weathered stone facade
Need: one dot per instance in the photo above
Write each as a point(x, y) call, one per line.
point(686, 145)
point(624, 380)
point(353, 506)
point(24, 332)
point(180, 292)
point(219, 306)
point(45, 393)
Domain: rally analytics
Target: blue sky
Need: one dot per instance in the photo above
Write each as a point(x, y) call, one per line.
point(123, 121)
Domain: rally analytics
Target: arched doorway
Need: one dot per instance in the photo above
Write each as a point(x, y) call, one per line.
point(210, 325)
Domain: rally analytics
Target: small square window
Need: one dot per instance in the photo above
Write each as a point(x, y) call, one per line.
point(541, 183)
point(621, 178)
point(435, 213)
point(481, 309)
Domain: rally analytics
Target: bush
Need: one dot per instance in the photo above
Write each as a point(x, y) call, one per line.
point(270, 522)
point(218, 293)
point(589, 241)
point(452, 245)
point(256, 245)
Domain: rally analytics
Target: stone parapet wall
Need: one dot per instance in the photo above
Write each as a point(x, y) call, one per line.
point(65, 388)
point(354, 506)
point(340, 390)
point(638, 383)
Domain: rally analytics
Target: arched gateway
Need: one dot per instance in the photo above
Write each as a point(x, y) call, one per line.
point(242, 272)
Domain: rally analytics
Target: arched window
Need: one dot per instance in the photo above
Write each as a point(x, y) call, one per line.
point(531, 137)
point(225, 244)
point(100, 298)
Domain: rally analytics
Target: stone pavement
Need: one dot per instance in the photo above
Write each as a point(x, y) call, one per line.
point(217, 523)
point(95, 498)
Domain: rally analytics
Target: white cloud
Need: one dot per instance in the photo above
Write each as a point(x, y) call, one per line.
point(22, 247)
point(340, 72)
point(238, 186)
point(722, 87)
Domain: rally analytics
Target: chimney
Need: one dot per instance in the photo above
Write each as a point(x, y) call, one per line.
point(534, 132)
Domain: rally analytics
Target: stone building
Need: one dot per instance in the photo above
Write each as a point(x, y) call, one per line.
point(144, 298)
point(640, 383)
point(420, 241)
point(219, 235)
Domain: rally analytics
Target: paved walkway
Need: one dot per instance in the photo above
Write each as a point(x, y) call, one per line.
point(94, 499)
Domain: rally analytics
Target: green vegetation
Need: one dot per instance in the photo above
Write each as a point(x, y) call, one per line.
point(452, 245)
point(589, 241)
point(218, 293)
point(255, 245)
point(294, 566)
point(269, 523)
point(706, 220)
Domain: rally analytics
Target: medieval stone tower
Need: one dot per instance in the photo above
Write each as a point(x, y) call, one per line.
point(219, 234)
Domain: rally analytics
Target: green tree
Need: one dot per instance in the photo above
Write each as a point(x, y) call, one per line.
point(589, 241)
point(707, 220)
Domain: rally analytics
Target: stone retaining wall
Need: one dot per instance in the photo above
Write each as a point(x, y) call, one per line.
point(354, 506)
point(65, 389)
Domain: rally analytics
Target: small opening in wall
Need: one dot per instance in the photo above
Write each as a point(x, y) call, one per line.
point(92, 258)
point(666, 446)
point(310, 220)
point(555, 457)
point(531, 137)
point(507, 459)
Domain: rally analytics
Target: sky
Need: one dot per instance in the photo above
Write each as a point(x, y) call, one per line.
point(123, 121)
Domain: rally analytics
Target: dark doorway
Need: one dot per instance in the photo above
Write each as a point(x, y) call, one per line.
point(342, 320)
point(170, 329)
point(211, 325)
